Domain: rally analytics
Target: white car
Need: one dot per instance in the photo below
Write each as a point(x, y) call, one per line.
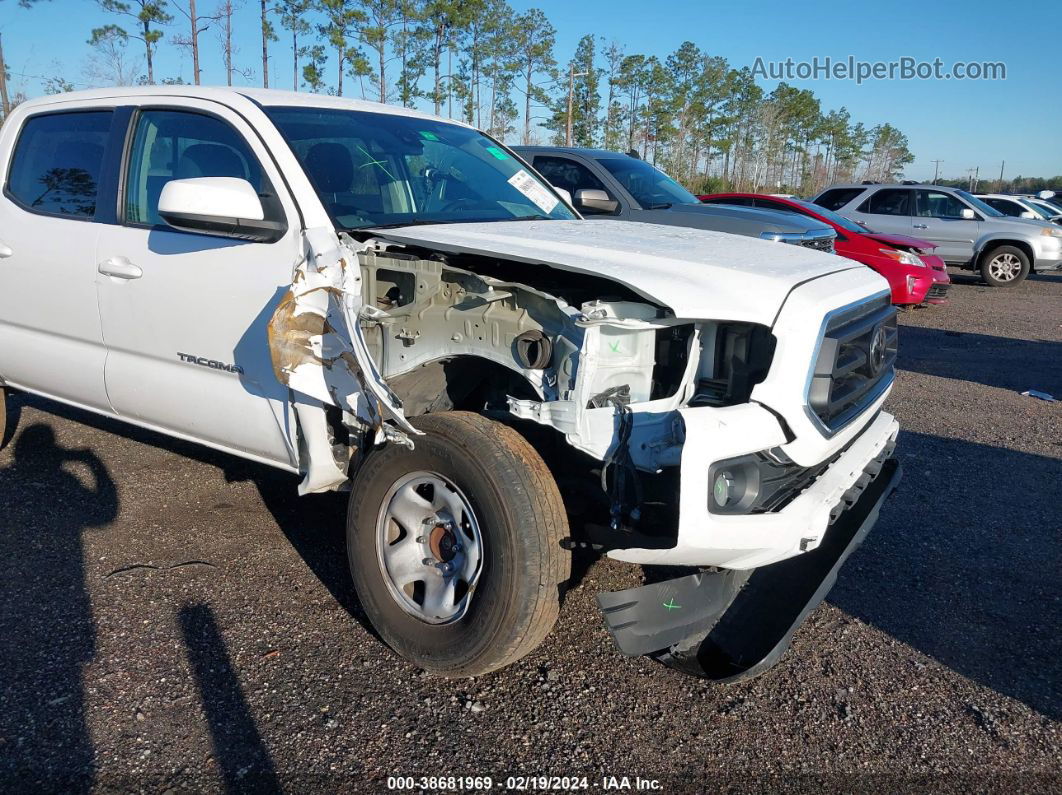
point(1021, 206)
point(383, 301)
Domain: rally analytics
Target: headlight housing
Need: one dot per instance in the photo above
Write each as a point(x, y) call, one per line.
point(1051, 231)
point(903, 257)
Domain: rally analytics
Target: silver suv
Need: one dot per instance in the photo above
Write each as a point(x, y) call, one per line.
point(967, 232)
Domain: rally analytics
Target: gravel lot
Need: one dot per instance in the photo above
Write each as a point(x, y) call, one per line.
point(173, 619)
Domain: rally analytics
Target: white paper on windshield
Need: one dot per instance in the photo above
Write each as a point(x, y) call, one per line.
point(530, 187)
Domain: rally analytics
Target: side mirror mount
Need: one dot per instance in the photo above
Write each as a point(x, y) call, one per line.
point(563, 193)
point(1027, 214)
point(594, 200)
point(219, 206)
point(968, 214)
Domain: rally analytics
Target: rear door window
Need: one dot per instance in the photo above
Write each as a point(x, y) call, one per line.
point(890, 201)
point(55, 169)
point(836, 198)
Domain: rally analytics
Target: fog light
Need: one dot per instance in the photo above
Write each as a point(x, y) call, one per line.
point(735, 484)
point(910, 284)
point(724, 489)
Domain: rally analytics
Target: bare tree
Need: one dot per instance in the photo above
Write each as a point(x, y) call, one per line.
point(146, 13)
point(196, 24)
point(5, 101)
point(268, 35)
point(228, 50)
point(110, 64)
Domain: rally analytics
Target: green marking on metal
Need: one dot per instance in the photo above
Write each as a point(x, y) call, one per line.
point(614, 346)
point(670, 604)
point(498, 153)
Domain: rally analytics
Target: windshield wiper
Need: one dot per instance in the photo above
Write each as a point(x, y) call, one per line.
point(429, 222)
point(412, 222)
point(660, 206)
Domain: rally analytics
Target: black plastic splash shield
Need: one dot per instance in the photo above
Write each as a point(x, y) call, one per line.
point(733, 625)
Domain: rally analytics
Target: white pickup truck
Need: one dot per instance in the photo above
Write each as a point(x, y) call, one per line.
point(383, 301)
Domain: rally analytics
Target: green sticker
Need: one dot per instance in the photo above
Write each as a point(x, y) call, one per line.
point(498, 153)
point(427, 135)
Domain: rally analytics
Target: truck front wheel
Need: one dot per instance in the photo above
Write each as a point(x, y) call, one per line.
point(454, 546)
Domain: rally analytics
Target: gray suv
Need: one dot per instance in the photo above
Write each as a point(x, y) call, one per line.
point(606, 184)
point(968, 233)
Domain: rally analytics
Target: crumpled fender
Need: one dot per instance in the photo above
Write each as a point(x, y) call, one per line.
point(317, 350)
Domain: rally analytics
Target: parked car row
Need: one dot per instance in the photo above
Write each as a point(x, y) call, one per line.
point(606, 185)
point(1022, 206)
point(968, 232)
point(915, 274)
point(616, 186)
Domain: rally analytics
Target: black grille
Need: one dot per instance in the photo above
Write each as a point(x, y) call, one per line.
point(824, 243)
point(855, 363)
point(937, 291)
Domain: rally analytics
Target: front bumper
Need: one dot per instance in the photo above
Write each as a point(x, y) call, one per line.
point(733, 625)
point(746, 541)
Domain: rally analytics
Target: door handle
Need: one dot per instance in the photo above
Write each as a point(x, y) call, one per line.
point(120, 268)
point(920, 226)
point(5, 251)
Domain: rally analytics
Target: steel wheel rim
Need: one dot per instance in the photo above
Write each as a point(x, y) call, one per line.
point(429, 547)
point(1004, 267)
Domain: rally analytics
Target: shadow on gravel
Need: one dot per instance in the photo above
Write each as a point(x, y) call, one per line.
point(1002, 362)
point(964, 566)
point(245, 763)
point(52, 495)
point(315, 525)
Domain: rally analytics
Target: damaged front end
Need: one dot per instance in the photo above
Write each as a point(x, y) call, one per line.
point(648, 408)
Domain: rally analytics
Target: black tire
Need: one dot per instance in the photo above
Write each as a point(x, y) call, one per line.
point(1004, 266)
point(3, 419)
point(516, 600)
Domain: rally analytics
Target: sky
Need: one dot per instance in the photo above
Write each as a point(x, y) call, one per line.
point(965, 124)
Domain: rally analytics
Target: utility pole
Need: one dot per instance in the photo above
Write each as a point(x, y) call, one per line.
point(571, 93)
point(5, 103)
point(1001, 165)
point(936, 169)
point(974, 174)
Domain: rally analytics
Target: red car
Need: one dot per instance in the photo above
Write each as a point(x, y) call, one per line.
point(915, 274)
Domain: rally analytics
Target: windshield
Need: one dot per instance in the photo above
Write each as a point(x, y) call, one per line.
point(649, 186)
point(831, 216)
point(380, 169)
point(1040, 210)
point(979, 205)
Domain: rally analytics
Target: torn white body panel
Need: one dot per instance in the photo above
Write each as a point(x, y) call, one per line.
point(318, 352)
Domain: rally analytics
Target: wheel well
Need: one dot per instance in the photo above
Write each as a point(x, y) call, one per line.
point(463, 383)
point(992, 245)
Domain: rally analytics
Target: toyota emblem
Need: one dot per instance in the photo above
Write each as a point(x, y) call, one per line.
point(878, 345)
